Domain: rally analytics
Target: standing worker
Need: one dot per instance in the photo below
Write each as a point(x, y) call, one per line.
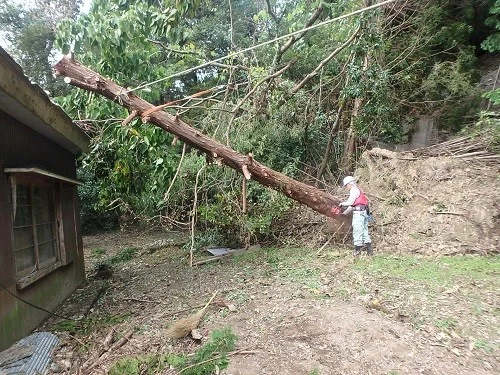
point(358, 204)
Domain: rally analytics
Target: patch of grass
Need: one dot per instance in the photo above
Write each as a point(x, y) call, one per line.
point(123, 256)
point(314, 371)
point(435, 271)
point(211, 356)
point(483, 345)
point(238, 296)
point(97, 252)
point(446, 324)
point(89, 324)
point(440, 206)
point(478, 310)
point(146, 364)
point(248, 256)
point(296, 265)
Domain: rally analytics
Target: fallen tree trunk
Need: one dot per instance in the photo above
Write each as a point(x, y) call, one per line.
point(82, 77)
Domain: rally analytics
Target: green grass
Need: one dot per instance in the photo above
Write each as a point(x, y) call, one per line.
point(146, 364)
point(293, 264)
point(483, 345)
point(89, 324)
point(97, 252)
point(121, 257)
point(433, 271)
point(446, 324)
point(296, 265)
point(205, 361)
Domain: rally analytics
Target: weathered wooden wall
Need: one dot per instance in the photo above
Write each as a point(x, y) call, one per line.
point(20, 146)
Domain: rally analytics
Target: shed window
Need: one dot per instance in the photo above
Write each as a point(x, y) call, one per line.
point(35, 236)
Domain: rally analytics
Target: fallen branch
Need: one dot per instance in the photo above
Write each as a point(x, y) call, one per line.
point(193, 215)
point(166, 196)
point(450, 213)
point(94, 300)
point(133, 114)
point(80, 76)
point(145, 300)
point(116, 345)
point(328, 241)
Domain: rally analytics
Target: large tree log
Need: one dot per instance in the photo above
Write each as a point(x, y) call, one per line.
point(80, 76)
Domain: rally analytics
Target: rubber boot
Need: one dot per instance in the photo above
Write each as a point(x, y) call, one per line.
point(357, 250)
point(369, 249)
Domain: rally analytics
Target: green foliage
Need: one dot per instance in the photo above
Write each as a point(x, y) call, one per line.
point(396, 69)
point(27, 29)
point(115, 260)
point(97, 252)
point(446, 324)
point(87, 325)
point(211, 356)
point(492, 42)
point(146, 364)
point(92, 218)
point(214, 351)
point(123, 256)
point(493, 96)
point(488, 128)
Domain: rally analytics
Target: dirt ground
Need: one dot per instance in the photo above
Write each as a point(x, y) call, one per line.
point(297, 310)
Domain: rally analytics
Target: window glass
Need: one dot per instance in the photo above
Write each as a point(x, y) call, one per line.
point(23, 237)
point(44, 233)
point(23, 206)
point(47, 251)
point(35, 243)
point(23, 195)
point(42, 205)
point(25, 259)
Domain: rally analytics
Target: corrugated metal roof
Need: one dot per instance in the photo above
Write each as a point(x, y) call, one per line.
point(30, 355)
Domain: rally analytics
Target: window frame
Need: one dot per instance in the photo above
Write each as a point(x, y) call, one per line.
point(29, 276)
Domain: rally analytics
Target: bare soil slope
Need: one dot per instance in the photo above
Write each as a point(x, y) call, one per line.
point(437, 205)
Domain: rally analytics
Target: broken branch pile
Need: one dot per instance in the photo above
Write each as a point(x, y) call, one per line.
point(466, 148)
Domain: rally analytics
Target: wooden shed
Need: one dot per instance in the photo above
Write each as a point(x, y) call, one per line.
point(41, 254)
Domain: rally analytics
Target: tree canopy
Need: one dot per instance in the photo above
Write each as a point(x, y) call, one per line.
point(305, 105)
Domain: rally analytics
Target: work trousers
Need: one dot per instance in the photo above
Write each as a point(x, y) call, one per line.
point(360, 228)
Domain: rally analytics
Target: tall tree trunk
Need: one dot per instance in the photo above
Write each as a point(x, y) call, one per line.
point(329, 145)
point(348, 158)
point(80, 76)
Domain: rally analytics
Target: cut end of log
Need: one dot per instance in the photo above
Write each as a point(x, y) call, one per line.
point(246, 173)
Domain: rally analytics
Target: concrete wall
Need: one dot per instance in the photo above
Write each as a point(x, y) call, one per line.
point(20, 146)
point(420, 134)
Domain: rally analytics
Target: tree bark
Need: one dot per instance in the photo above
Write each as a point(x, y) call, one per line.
point(331, 137)
point(82, 77)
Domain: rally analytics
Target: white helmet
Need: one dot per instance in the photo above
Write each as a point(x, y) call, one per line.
point(348, 179)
